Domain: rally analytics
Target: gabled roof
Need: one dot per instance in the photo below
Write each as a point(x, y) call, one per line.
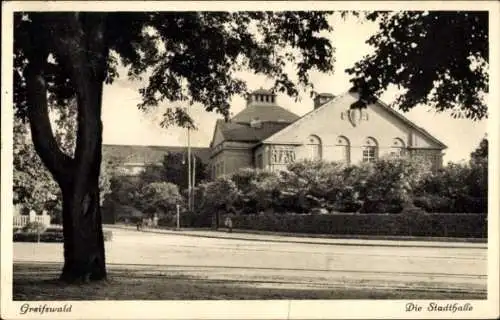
point(272, 113)
point(147, 154)
point(243, 132)
point(381, 104)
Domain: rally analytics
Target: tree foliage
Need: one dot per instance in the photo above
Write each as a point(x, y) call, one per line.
point(437, 58)
point(157, 197)
point(389, 185)
point(188, 56)
point(33, 186)
point(175, 169)
point(220, 194)
point(481, 152)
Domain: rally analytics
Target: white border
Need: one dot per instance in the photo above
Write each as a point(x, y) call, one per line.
point(280, 309)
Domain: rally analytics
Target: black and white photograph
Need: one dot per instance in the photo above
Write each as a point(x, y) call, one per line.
point(250, 160)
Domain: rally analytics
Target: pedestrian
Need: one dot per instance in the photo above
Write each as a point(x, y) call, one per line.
point(155, 221)
point(229, 224)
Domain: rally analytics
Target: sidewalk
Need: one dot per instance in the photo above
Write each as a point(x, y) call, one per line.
point(251, 235)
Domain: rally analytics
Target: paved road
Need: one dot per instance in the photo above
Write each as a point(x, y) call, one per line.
point(289, 264)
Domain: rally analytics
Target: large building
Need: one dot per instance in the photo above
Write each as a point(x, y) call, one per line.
point(265, 135)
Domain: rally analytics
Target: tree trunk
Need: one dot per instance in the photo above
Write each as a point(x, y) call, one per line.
point(81, 47)
point(84, 255)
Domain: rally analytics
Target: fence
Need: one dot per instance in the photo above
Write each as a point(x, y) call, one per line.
point(22, 220)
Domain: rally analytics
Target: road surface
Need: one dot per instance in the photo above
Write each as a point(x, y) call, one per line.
point(366, 264)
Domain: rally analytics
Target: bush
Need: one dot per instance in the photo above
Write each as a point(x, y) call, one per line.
point(433, 203)
point(54, 235)
point(129, 220)
point(43, 237)
point(34, 227)
point(187, 220)
point(411, 223)
point(385, 186)
point(455, 188)
point(108, 235)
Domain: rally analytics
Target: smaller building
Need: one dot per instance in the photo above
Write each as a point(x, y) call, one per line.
point(267, 136)
point(132, 160)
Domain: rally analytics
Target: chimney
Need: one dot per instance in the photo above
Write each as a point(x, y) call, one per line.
point(322, 98)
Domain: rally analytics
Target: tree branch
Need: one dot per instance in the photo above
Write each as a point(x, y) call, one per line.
point(43, 137)
point(81, 46)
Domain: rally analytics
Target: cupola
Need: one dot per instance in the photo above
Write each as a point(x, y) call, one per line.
point(261, 97)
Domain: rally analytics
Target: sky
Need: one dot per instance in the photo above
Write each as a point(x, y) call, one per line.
point(124, 123)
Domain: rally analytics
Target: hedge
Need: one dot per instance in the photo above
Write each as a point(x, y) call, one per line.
point(53, 235)
point(187, 219)
point(421, 224)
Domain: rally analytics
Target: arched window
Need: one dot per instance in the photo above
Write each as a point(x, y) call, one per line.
point(398, 148)
point(370, 150)
point(314, 147)
point(343, 149)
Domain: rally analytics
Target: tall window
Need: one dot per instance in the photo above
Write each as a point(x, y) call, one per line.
point(343, 148)
point(398, 148)
point(260, 162)
point(370, 150)
point(314, 147)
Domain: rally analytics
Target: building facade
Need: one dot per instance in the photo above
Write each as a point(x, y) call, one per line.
point(267, 136)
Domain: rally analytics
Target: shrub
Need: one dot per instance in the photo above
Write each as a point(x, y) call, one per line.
point(159, 197)
point(54, 235)
point(455, 188)
point(386, 186)
point(43, 237)
point(34, 227)
point(389, 184)
point(413, 222)
point(432, 203)
point(108, 235)
point(187, 220)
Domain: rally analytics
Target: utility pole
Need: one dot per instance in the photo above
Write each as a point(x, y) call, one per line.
point(189, 168)
point(193, 184)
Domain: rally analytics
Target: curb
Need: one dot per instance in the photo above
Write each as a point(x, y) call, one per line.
point(409, 243)
point(363, 237)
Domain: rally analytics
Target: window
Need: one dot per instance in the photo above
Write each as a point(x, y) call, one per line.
point(369, 154)
point(259, 163)
point(314, 147)
point(343, 150)
point(219, 169)
point(370, 150)
point(398, 148)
